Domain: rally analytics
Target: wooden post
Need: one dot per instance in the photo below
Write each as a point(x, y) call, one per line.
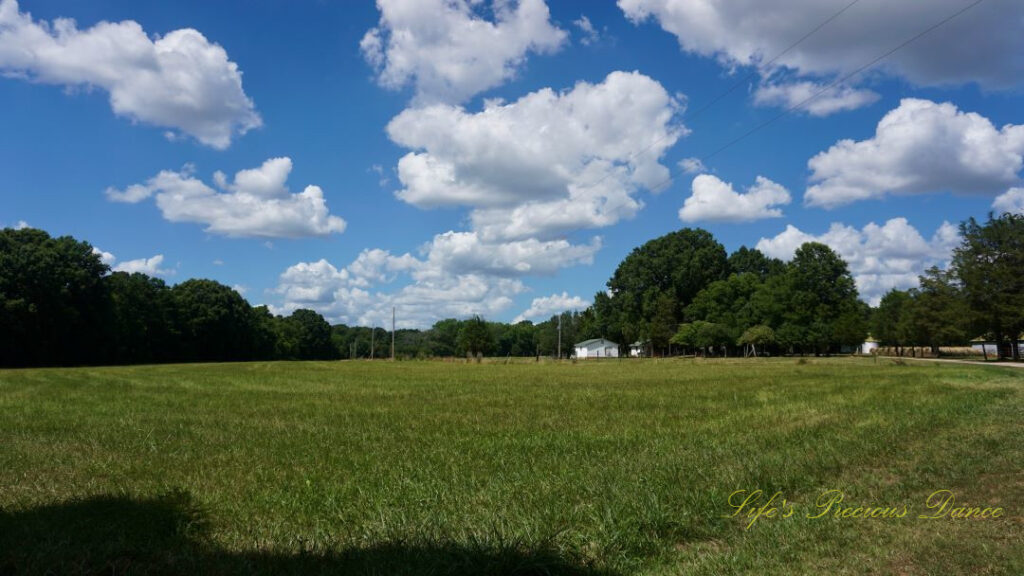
point(559, 336)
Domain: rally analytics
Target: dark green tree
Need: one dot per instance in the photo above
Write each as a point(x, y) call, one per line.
point(519, 340)
point(937, 314)
point(475, 337)
point(686, 336)
point(678, 265)
point(664, 323)
point(444, 338)
point(264, 334)
point(215, 322)
point(851, 327)
point(713, 338)
point(990, 265)
point(305, 335)
point(820, 290)
point(753, 261)
point(603, 320)
point(758, 337)
point(889, 321)
point(728, 302)
point(53, 302)
point(142, 319)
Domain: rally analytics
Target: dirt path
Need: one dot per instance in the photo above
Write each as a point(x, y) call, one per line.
point(1018, 365)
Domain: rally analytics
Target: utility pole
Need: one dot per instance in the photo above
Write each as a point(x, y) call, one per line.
point(392, 333)
point(559, 336)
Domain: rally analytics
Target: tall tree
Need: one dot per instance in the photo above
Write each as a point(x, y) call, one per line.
point(305, 335)
point(728, 302)
point(519, 340)
point(821, 290)
point(52, 300)
point(475, 337)
point(851, 326)
point(142, 319)
point(678, 265)
point(444, 338)
point(938, 313)
point(664, 323)
point(216, 323)
point(889, 320)
point(753, 261)
point(990, 264)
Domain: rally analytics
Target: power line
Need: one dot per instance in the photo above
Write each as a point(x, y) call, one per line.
point(828, 87)
point(716, 99)
point(756, 71)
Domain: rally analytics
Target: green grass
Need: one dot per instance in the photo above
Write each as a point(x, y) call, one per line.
point(613, 467)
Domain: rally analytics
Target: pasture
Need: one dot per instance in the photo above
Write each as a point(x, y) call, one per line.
point(611, 467)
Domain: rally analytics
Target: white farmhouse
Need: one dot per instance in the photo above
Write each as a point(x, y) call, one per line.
point(597, 348)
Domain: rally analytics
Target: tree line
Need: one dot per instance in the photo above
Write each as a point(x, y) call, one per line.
point(683, 290)
point(683, 293)
point(61, 305)
point(980, 294)
point(680, 293)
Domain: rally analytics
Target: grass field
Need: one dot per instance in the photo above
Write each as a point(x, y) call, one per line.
point(617, 467)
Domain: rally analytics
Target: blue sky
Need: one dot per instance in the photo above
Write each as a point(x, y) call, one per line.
point(499, 158)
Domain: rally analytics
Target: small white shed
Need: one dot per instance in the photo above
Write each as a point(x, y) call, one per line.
point(869, 345)
point(639, 348)
point(597, 348)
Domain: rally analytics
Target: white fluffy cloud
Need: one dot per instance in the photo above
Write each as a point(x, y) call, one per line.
point(449, 50)
point(713, 200)
point(918, 147)
point(984, 45)
point(880, 257)
point(150, 266)
point(588, 34)
point(180, 81)
point(457, 275)
point(815, 98)
point(256, 203)
point(545, 164)
point(531, 172)
point(464, 253)
point(105, 257)
point(1011, 201)
point(547, 306)
point(342, 296)
point(692, 165)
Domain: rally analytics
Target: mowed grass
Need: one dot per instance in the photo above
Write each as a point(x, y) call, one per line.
point(610, 467)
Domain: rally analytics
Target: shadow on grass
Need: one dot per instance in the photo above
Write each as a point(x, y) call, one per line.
point(168, 535)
